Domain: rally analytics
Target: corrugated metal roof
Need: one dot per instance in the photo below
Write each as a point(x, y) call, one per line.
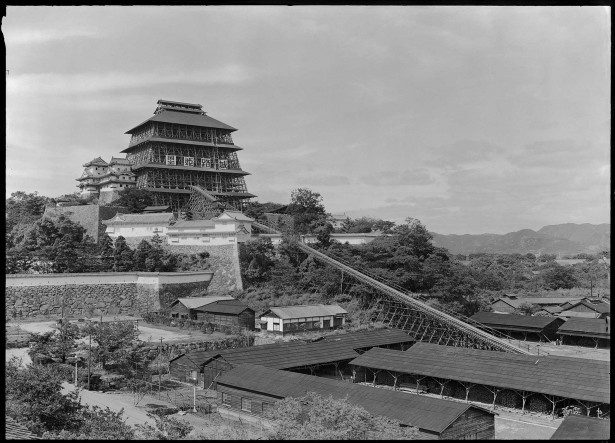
point(301, 311)
point(585, 326)
point(426, 413)
point(198, 302)
point(568, 377)
point(184, 118)
point(16, 431)
point(519, 322)
point(578, 427)
point(162, 217)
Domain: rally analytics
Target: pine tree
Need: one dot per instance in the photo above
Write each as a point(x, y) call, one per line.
point(153, 262)
point(140, 255)
point(122, 256)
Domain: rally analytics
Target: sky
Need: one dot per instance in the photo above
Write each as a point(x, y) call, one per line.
point(471, 119)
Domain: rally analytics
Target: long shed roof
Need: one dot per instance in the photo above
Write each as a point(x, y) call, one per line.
point(426, 413)
point(198, 302)
point(578, 427)
point(512, 321)
point(567, 377)
point(595, 327)
point(293, 354)
point(369, 339)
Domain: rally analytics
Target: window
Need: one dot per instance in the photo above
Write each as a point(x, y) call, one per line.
point(231, 240)
point(267, 407)
point(193, 375)
point(276, 326)
point(246, 404)
point(175, 315)
point(226, 399)
point(205, 239)
point(223, 164)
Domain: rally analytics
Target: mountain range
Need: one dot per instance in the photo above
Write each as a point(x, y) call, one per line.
point(563, 239)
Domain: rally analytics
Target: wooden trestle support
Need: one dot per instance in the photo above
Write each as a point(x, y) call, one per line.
point(421, 321)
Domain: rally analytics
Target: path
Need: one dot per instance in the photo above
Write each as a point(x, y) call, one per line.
point(134, 414)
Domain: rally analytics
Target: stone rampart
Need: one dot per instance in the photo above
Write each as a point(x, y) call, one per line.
point(223, 261)
point(77, 295)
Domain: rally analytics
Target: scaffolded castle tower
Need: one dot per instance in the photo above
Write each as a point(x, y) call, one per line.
point(181, 147)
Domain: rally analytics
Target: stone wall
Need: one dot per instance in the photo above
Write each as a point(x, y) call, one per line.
point(88, 216)
point(223, 261)
point(86, 295)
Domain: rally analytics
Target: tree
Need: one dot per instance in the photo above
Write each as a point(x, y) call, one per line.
point(114, 342)
point(134, 199)
point(257, 258)
point(154, 259)
point(167, 428)
point(55, 345)
point(527, 309)
point(122, 256)
point(23, 208)
point(314, 417)
point(323, 229)
point(414, 235)
point(558, 277)
point(97, 424)
point(33, 397)
point(305, 207)
point(141, 254)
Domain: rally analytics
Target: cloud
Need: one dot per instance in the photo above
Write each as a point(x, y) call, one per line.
point(399, 178)
point(38, 36)
point(88, 83)
point(323, 180)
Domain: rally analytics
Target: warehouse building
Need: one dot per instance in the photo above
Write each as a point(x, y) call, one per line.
point(586, 331)
point(253, 390)
point(217, 310)
point(328, 357)
point(500, 378)
point(525, 326)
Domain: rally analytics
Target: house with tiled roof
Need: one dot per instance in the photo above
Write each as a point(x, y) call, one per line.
point(217, 310)
point(230, 227)
point(138, 226)
point(102, 177)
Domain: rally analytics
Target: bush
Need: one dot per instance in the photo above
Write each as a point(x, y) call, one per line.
point(539, 404)
point(509, 399)
point(160, 412)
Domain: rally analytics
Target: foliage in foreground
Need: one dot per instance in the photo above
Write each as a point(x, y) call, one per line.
point(315, 417)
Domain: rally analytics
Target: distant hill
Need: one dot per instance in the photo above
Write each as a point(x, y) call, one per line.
point(564, 239)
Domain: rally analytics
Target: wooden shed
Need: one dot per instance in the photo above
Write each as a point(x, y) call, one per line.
point(579, 331)
point(540, 326)
point(252, 389)
point(586, 309)
point(217, 310)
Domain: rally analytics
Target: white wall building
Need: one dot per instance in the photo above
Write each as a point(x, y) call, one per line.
point(302, 318)
point(138, 225)
point(228, 228)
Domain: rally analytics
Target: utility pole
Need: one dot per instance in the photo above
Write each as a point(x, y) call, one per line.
point(159, 376)
point(89, 359)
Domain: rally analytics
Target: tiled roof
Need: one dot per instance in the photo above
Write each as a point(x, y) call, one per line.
point(96, 162)
point(567, 377)
point(16, 431)
point(184, 118)
point(237, 215)
point(119, 161)
point(198, 302)
point(597, 307)
point(596, 327)
point(578, 427)
point(426, 413)
point(512, 321)
point(540, 301)
point(193, 224)
point(163, 217)
point(300, 311)
point(156, 208)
